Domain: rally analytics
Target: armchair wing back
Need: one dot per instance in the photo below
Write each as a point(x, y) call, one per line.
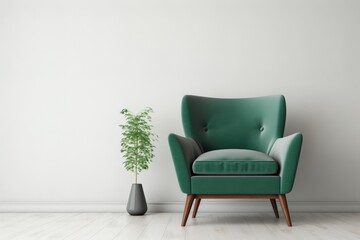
point(244, 123)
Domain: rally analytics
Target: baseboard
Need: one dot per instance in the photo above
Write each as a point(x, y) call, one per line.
point(206, 206)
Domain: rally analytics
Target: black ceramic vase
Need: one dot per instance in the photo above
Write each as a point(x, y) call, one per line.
point(137, 203)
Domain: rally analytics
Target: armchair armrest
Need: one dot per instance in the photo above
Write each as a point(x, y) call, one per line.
point(286, 151)
point(184, 151)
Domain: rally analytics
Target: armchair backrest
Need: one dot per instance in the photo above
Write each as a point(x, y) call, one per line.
point(242, 123)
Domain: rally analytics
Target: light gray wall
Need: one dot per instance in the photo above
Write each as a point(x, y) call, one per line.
point(67, 68)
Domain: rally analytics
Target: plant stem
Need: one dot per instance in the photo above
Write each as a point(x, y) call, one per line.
point(136, 160)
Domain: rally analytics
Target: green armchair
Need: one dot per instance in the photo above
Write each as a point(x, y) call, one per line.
point(234, 148)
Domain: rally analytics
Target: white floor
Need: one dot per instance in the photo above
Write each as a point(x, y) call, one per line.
point(104, 226)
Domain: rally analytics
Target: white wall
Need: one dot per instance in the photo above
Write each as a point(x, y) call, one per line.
point(67, 68)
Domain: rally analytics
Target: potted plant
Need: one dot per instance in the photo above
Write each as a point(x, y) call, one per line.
point(137, 148)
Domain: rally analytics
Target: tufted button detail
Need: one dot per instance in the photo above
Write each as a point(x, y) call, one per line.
point(261, 129)
point(205, 129)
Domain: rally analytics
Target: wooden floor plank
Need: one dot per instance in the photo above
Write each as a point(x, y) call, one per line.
point(173, 230)
point(90, 230)
point(112, 228)
point(28, 224)
point(37, 231)
point(10, 218)
point(134, 228)
point(153, 231)
point(67, 229)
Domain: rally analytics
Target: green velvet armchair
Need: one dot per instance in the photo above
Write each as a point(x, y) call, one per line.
point(234, 148)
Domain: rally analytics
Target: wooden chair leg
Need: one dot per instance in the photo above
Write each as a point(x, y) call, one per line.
point(196, 206)
point(188, 204)
point(274, 206)
point(285, 209)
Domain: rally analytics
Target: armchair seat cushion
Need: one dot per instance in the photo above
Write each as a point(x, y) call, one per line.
point(235, 161)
